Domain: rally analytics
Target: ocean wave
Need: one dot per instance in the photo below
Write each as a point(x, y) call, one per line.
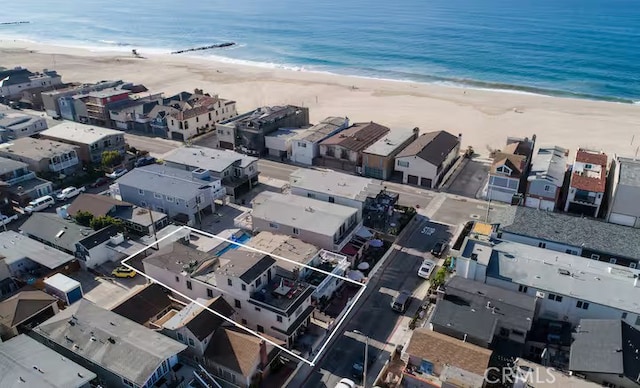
point(114, 43)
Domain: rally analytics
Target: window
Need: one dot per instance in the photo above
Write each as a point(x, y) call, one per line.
point(279, 318)
point(595, 257)
point(260, 329)
point(522, 288)
point(273, 225)
point(542, 245)
point(180, 337)
point(547, 188)
point(191, 343)
point(302, 144)
point(209, 116)
point(518, 333)
point(582, 305)
point(258, 282)
point(140, 191)
point(177, 279)
point(186, 125)
point(332, 200)
point(189, 284)
point(197, 119)
point(612, 260)
point(588, 166)
point(633, 265)
point(624, 315)
point(638, 320)
point(403, 163)
point(229, 282)
point(555, 297)
point(244, 287)
point(258, 309)
point(311, 195)
point(571, 252)
point(157, 196)
point(209, 293)
point(169, 198)
point(238, 304)
point(296, 231)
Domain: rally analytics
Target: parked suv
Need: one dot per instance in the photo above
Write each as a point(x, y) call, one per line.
point(402, 301)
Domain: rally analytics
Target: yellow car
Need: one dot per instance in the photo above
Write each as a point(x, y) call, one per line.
point(123, 272)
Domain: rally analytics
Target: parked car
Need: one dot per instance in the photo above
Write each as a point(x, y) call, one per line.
point(4, 220)
point(117, 173)
point(69, 193)
point(357, 369)
point(39, 204)
point(100, 182)
point(426, 269)
point(345, 383)
point(438, 248)
point(123, 272)
point(145, 161)
point(401, 302)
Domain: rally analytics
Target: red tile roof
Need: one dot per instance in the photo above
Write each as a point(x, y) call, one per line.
point(596, 185)
point(591, 157)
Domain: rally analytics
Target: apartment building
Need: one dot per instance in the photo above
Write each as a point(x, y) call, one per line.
point(91, 141)
point(43, 156)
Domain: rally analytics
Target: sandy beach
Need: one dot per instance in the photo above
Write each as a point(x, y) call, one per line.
point(484, 118)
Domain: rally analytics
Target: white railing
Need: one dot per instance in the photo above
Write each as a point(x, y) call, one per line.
point(63, 164)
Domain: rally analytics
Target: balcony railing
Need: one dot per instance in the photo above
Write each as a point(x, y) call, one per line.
point(21, 178)
point(55, 167)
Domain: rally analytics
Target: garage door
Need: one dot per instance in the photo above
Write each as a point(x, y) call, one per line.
point(177, 136)
point(412, 179)
point(622, 219)
point(425, 182)
point(532, 202)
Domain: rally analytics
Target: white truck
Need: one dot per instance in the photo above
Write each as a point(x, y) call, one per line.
point(69, 193)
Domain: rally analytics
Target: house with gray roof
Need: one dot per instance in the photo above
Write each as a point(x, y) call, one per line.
point(305, 146)
point(24, 185)
point(624, 193)
point(43, 155)
point(25, 362)
point(15, 125)
point(238, 172)
point(19, 313)
point(378, 160)
point(586, 237)
point(607, 352)
point(91, 141)
point(546, 177)
point(182, 195)
point(14, 81)
point(567, 287)
point(23, 255)
point(482, 314)
point(121, 352)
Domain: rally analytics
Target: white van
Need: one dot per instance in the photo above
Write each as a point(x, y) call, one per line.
point(39, 204)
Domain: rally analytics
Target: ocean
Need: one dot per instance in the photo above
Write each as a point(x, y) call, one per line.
point(573, 48)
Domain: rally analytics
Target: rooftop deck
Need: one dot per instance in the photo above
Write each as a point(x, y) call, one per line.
point(282, 294)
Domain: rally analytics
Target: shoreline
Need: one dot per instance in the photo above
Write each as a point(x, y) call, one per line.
point(484, 117)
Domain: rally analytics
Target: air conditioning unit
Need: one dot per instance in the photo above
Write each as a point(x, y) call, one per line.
point(540, 294)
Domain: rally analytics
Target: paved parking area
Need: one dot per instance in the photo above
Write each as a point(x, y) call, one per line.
point(455, 211)
point(470, 180)
point(107, 292)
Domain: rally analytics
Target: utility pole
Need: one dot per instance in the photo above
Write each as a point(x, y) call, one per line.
point(153, 225)
point(366, 357)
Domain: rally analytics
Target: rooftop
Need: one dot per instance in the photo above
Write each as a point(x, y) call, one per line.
point(109, 340)
point(288, 133)
point(284, 246)
point(9, 165)
point(629, 170)
point(178, 258)
point(550, 163)
point(161, 179)
point(79, 133)
point(208, 158)
point(200, 321)
point(96, 204)
point(606, 346)
point(591, 157)
point(441, 350)
point(235, 349)
point(598, 236)
point(323, 129)
point(104, 93)
point(516, 163)
point(358, 137)
point(145, 304)
point(36, 149)
point(434, 147)
point(244, 264)
point(264, 115)
point(138, 215)
point(51, 228)
point(564, 274)
point(15, 247)
point(15, 120)
point(24, 305)
point(331, 183)
point(284, 295)
point(560, 379)
point(301, 212)
point(25, 362)
point(591, 173)
point(390, 143)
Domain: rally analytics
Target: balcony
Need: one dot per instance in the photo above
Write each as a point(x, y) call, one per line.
point(63, 164)
point(283, 295)
point(19, 178)
point(583, 196)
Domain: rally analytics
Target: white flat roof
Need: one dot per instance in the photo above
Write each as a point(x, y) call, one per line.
point(80, 133)
point(61, 282)
point(331, 183)
point(390, 143)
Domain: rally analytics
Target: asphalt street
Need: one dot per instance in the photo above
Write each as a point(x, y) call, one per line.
point(156, 146)
point(374, 317)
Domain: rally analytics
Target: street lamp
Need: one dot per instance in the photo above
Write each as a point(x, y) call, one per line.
point(366, 356)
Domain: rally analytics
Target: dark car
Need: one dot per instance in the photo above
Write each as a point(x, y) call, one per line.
point(357, 369)
point(438, 248)
point(100, 182)
point(145, 161)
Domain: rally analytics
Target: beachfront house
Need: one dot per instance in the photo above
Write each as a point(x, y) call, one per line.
point(427, 159)
point(305, 147)
point(18, 125)
point(238, 172)
point(279, 143)
point(343, 151)
point(51, 100)
point(326, 225)
point(182, 195)
point(23, 184)
point(134, 113)
point(91, 141)
point(246, 132)
point(43, 156)
point(588, 183)
point(625, 191)
point(14, 81)
point(378, 160)
point(509, 170)
point(186, 115)
point(546, 178)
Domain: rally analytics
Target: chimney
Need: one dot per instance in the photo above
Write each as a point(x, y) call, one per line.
point(264, 360)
